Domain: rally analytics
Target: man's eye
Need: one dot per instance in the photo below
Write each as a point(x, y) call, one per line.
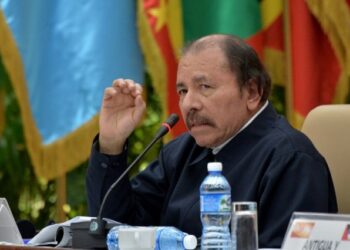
point(205, 86)
point(181, 91)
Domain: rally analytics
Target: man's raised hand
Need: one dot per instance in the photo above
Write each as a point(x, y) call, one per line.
point(122, 109)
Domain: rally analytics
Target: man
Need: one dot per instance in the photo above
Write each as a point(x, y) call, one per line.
point(223, 91)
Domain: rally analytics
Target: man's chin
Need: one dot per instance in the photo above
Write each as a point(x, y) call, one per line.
point(203, 141)
point(203, 135)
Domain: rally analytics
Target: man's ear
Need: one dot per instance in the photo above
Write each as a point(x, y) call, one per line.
point(253, 95)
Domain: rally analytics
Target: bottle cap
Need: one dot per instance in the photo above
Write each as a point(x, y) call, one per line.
point(214, 166)
point(190, 242)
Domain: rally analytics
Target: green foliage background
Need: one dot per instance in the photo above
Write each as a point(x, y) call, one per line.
point(35, 199)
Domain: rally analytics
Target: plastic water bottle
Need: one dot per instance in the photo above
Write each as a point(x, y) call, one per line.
point(215, 205)
point(113, 238)
point(171, 238)
point(166, 238)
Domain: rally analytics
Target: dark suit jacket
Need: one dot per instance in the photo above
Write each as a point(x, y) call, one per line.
point(268, 162)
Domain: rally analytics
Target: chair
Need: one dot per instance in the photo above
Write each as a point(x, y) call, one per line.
point(328, 127)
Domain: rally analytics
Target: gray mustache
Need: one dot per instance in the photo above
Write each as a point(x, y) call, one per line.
point(194, 118)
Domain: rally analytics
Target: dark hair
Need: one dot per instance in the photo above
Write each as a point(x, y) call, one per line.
point(242, 59)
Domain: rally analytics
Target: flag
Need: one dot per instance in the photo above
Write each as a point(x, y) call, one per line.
point(204, 17)
point(59, 56)
point(161, 38)
point(319, 54)
point(273, 40)
point(315, 62)
point(334, 18)
point(260, 23)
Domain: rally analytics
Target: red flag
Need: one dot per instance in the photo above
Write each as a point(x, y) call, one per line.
point(316, 67)
point(158, 21)
point(272, 40)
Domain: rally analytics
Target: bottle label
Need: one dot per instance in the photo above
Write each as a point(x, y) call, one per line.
point(216, 203)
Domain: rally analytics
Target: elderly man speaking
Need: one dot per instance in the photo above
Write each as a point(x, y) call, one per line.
point(223, 92)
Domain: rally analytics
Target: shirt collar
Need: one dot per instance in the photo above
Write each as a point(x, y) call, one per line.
point(218, 148)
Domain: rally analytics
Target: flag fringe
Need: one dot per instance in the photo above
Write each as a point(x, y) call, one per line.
point(334, 17)
point(342, 89)
point(53, 160)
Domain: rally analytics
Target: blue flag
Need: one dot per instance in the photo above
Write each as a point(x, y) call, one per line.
point(60, 55)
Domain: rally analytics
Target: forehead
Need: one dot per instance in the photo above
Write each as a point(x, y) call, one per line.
point(209, 66)
point(214, 53)
point(203, 63)
point(206, 60)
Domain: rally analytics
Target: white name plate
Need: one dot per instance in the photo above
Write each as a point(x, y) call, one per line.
point(316, 231)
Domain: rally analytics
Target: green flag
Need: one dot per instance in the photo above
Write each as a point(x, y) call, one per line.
point(203, 17)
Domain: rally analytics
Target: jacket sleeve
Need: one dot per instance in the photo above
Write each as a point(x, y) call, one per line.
point(136, 202)
point(103, 170)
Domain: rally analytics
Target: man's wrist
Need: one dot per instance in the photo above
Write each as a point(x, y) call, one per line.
point(102, 160)
point(110, 147)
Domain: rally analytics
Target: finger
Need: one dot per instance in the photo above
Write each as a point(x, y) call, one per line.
point(109, 93)
point(129, 86)
point(118, 82)
point(137, 90)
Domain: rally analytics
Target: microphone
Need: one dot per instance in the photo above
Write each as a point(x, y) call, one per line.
point(166, 127)
point(97, 227)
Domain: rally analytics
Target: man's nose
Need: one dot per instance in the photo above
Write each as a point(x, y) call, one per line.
point(191, 101)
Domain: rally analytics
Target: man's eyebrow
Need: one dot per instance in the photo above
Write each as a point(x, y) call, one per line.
point(199, 78)
point(196, 79)
point(180, 85)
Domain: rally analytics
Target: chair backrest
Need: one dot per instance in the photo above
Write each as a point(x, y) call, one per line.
point(328, 127)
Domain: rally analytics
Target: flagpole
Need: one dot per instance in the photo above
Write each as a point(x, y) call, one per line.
point(289, 78)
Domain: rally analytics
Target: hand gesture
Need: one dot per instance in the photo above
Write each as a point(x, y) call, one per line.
point(122, 109)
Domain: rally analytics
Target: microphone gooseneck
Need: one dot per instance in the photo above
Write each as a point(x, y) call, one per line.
point(97, 226)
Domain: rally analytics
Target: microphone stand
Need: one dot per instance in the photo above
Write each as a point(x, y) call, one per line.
point(98, 225)
point(92, 234)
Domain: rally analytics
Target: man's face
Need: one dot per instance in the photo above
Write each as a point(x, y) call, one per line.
point(211, 102)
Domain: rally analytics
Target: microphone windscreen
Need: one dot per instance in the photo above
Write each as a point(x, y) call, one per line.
point(172, 120)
